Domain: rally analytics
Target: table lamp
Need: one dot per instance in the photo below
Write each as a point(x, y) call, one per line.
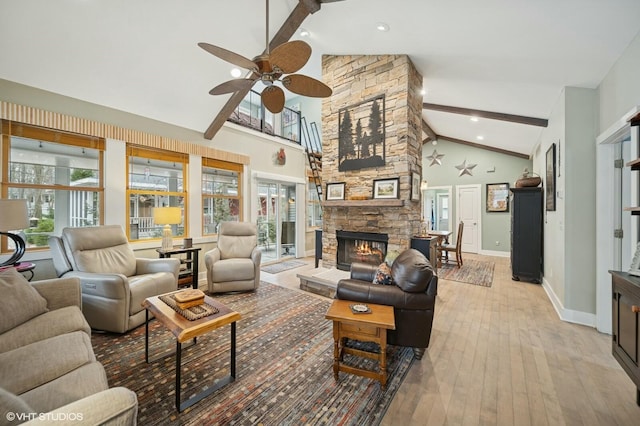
point(14, 216)
point(167, 216)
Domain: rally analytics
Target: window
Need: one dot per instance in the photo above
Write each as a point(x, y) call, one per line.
point(59, 174)
point(314, 209)
point(221, 194)
point(155, 179)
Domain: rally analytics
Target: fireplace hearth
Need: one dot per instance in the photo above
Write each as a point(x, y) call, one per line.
point(366, 247)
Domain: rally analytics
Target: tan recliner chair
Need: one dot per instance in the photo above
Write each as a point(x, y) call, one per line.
point(235, 264)
point(114, 282)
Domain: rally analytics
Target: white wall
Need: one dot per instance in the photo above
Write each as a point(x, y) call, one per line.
point(620, 89)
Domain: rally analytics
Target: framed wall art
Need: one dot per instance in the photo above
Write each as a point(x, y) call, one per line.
point(497, 197)
point(386, 188)
point(361, 135)
point(550, 183)
point(415, 186)
point(335, 191)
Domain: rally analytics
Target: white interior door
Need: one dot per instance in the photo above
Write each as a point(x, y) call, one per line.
point(468, 211)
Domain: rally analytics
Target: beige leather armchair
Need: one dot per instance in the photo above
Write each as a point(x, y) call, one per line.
point(114, 282)
point(235, 264)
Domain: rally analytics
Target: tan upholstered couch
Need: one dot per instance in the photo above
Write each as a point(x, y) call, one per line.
point(114, 282)
point(48, 370)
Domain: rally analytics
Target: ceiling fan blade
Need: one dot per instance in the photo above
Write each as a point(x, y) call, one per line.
point(306, 86)
point(229, 56)
point(232, 86)
point(273, 99)
point(290, 56)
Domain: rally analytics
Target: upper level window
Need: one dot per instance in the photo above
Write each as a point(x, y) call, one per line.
point(58, 173)
point(221, 194)
point(155, 179)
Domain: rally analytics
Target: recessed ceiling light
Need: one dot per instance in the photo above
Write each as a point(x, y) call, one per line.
point(474, 118)
point(381, 26)
point(304, 33)
point(423, 92)
point(480, 138)
point(236, 72)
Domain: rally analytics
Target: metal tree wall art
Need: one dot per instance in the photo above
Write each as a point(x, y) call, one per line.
point(361, 135)
point(465, 169)
point(435, 158)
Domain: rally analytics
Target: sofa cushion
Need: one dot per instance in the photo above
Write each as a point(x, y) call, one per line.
point(383, 275)
point(10, 405)
point(143, 286)
point(19, 302)
point(233, 270)
point(411, 271)
point(30, 366)
point(79, 383)
point(99, 250)
point(49, 324)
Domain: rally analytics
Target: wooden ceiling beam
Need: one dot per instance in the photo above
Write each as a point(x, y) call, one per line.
point(303, 9)
point(485, 147)
point(429, 131)
point(521, 119)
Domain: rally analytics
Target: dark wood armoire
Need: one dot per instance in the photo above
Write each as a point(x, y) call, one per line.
point(526, 234)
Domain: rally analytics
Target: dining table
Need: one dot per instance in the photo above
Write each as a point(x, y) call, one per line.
point(442, 237)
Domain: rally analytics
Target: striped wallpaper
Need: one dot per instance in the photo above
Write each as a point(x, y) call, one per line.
point(63, 122)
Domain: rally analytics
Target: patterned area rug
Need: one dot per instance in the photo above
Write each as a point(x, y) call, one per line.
point(282, 266)
point(284, 368)
point(472, 272)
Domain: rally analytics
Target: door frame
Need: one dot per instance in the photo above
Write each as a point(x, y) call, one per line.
point(478, 188)
point(301, 186)
point(605, 220)
point(437, 188)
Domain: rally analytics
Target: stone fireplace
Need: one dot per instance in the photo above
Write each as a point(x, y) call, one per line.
point(366, 247)
point(356, 80)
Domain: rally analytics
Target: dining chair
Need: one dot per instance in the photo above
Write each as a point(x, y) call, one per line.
point(444, 249)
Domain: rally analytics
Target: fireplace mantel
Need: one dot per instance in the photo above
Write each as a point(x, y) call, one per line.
point(363, 203)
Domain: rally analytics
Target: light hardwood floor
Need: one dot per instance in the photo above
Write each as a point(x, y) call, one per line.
point(501, 356)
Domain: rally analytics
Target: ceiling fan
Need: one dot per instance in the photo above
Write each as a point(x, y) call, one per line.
point(271, 67)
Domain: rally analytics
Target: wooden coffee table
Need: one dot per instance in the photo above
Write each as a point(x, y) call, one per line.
point(370, 327)
point(184, 330)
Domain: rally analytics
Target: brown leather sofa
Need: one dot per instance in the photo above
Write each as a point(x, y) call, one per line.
point(413, 297)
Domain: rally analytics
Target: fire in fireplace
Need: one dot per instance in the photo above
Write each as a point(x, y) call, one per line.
point(367, 247)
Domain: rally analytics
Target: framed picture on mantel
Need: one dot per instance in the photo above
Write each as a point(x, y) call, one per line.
point(386, 188)
point(335, 191)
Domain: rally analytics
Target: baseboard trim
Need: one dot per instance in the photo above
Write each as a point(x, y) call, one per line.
point(568, 315)
point(495, 253)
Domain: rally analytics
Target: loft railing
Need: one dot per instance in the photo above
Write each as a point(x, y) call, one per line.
point(251, 113)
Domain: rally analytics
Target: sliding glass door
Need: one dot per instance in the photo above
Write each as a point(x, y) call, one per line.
point(276, 220)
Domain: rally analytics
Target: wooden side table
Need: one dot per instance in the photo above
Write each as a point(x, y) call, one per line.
point(188, 276)
point(369, 327)
point(185, 330)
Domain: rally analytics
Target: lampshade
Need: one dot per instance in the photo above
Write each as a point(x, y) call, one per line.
point(13, 215)
point(167, 215)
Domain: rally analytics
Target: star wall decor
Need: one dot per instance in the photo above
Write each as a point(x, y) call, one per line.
point(435, 158)
point(465, 169)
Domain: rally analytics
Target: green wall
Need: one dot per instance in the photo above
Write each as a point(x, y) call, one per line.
point(492, 167)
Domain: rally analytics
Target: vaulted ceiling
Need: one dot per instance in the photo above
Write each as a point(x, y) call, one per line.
point(493, 59)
